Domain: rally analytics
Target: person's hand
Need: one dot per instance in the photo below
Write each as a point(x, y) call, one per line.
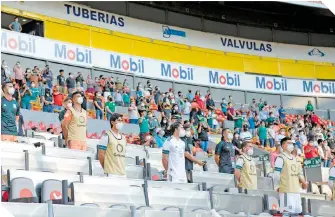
point(200, 163)
point(304, 185)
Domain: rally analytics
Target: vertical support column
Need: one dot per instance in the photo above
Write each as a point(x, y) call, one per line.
point(281, 100)
point(245, 97)
point(317, 102)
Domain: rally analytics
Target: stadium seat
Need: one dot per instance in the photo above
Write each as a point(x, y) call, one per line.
point(22, 190)
point(321, 207)
point(219, 182)
point(173, 186)
point(51, 190)
point(265, 183)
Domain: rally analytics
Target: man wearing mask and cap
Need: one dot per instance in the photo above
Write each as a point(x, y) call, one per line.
point(225, 153)
point(289, 176)
point(173, 158)
point(245, 171)
point(189, 158)
point(112, 148)
point(10, 111)
point(75, 124)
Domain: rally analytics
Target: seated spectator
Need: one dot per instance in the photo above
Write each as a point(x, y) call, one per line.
point(99, 106)
point(133, 113)
point(311, 150)
point(159, 137)
point(75, 124)
point(25, 97)
point(110, 107)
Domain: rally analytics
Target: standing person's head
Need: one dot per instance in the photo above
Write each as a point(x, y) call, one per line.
point(245, 128)
point(177, 130)
point(143, 113)
point(197, 143)
point(61, 72)
point(227, 135)
point(77, 98)
point(253, 100)
point(116, 122)
point(8, 88)
point(97, 94)
point(320, 142)
point(150, 115)
point(263, 123)
point(16, 19)
point(236, 135)
point(230, 97)
point(67, 103)
point(287, 144)
point(229, 104)
point(247, 148)
point(309, 102)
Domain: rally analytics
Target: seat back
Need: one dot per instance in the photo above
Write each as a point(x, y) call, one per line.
point(236, 203)
point(12, 160)
point(173, 186)
point(107, 195)
point(51, 190)
point(68, 153)
point(265, 183)
point(273, 198)
point(134, 172)
point(60, 165)
point(31, 141)
point(26, 209)
point(322, 208)
point(112, 181)
point(190, 201)
point(218, 181)
point(22, 190)
point(313, 196)
point(20, 147)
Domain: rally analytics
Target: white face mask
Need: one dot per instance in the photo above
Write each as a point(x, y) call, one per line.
point(290, 147)
point(119, 126)
point(33, 85)
point(69, 105)
point(230, 136)
point(149, 116)
point(99, 94)
point(11, 90)
point(147, 138)
point(161, 133)
point(182, 133)
point(188, 133)
point(80, 100)
point(164, 121)
point(250, 152)
point(282, 133)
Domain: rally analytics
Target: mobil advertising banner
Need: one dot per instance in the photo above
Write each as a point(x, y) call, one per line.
point(41, 48)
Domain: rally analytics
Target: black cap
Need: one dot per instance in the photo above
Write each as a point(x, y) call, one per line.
point(115, 116)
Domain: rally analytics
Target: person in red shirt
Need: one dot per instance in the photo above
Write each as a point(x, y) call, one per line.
point(58, 99)
point(310, 150)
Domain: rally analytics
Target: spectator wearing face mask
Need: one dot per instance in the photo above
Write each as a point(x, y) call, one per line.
point(280, 136)
point(309, 107)
point(67, 104)
point(203, 130)
point(143, 123)
point(270, 119)
point(164, 125)
point(47, 75)
point(148, 140)
point(166, 112)
point(18, 74)
point(80, 79)
point(75, 124)
point(61, 81)
point(126, 99)
point(90, 84)
point(153, 122)
point(310, 150)
point(282, 115)
point(225, 153)
point(224, 106)
point(271, 135)
point(47, 99)
point(302, 138)
point(133, 113)
point(230, 112)
point(331, 142)
point(237, 143)
point(10, 111)
point(189, 158)
point(110, 107)
point(275, 154)
point(25, 97)
point(70, 83)
point(99, 106)
point(118, 98)
point(252, 124)
point(187, 107)
point(190, 95)
point(210, 102)
point(34, 91)
point(245, 134)
point(159, 137)
point(262, 134)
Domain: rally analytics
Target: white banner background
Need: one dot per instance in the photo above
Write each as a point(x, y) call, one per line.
point(42, 48)
point(192, 38)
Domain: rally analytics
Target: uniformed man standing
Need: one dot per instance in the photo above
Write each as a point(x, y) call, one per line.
point(331, 180)
point(245, 171)
point(288, 174)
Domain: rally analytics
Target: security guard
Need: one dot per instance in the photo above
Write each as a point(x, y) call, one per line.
point(331, 180)
point(288, 174)
point(245, 171)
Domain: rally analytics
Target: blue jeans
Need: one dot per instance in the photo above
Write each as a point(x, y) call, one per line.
point(57, 107)
point(253, 132)
point(204, 145)
point(25, 105)
point(99, 114)
point(47, 108)
point(133, 121)
point(263, 142)
point(272, 143)
point(326, 163)
point(109, 115)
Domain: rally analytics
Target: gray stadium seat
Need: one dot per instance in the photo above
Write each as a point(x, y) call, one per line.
point(190, 201)
point(322, 208)
point(112, 181)
point(51, 190)
point(27, 209)
point(217, 181)
point(12, 160)
point(273, 198)
point(107, 196)
point(236, 203)
point(22, 190)
point(265, 183)
point(173, 186)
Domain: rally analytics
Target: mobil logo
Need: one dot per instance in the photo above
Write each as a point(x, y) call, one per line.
point(14, 42)
point(276, 84)
point(318, 87)
point(229, 79)
point(129, 64)
point(80, 55)
point(177, 72)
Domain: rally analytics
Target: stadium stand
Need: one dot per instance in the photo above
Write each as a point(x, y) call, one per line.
point(160, 71)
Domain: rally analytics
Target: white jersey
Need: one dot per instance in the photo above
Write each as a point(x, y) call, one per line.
point(175, 148)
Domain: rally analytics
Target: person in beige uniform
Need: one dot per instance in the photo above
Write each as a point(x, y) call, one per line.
point(112, 148)
point(288, 175)
point(245, 171)
point(75, 124)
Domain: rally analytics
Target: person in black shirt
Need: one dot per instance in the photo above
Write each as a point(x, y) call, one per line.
point(203, 134)
point(61, 81)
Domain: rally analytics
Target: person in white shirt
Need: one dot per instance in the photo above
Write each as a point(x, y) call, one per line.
point(245, 135)
point(302, 137)
point(280, 136)
point(271, 136)
point(187, 107)
point(173, 155)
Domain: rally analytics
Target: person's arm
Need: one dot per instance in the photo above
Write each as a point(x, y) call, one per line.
point(331, 179)
point(102, 147)
point(302, 180)
point(108, 110)
point(66, 122)
point(44, 101)
point(97, 105)
point(239, 166)
point(141, 120)
point(199, 128)
point(279, 163)
point(218, 150)
point(165, 156)
point(20, 28)
point(10, 26)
